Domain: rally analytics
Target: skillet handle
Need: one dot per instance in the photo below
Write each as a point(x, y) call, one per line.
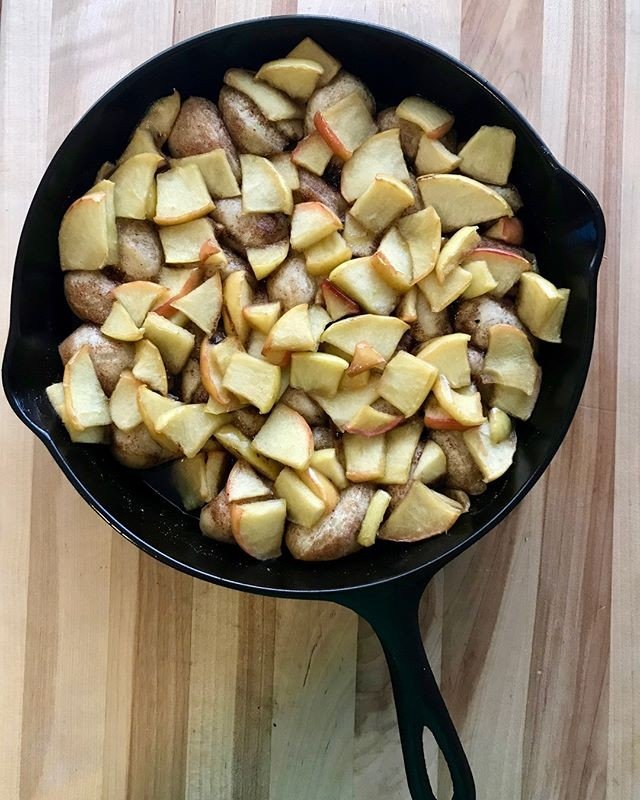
point(393, 615)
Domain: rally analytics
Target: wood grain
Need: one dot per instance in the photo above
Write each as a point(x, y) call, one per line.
point(122, 679)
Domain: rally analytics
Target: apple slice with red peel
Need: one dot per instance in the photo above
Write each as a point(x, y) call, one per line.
point(345, 125)
point(506, 266)
point(365, 358)
point(455, 249)
point(244, 483)
point(381, 203)
point(237, 293)
point(310, 223)
point(465, 408)
point(182, 195)
point(393, 261)
point(380, 332)
point(368, 421)
point(507, 229)
point(432, 119)
point(461, 201)
point(182, 283)
point(359, 279)
point(312, 153)
point(422, 513)
point(509, 359)
point(321, 486)
point(203, 304)
point(338, 304)
point(211, 375)
point(364, 457)
point(285, 437)
point(437, 419)
point(406, 382)
point(423, 233)
point(291, 332)
point(488, 155)
point(258, 527)
point(380, 153)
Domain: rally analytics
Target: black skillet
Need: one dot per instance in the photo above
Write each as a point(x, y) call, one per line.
point(564, 226)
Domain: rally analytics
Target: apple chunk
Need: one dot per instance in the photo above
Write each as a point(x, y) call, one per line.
point(507, 229)
point(422, 513)
point(190, 479)
point(347, 402)
point(393, 261)
point(182, 196)
point(244, 483)
point(183, 244)
point(381, 203)
point(488, 155)
point(326, 462)
point(119, 325)
point(304, 507)
point(264, 260)
point(259, 527)
point(336, 301)
point(263, 316)
point(455, 249)
point(263, 188)
point(401, 446)
point(464, 408)
point(506, 266)
point(254, 380)
point(368, 421)
point(152, 406)
point(499, 425)
point(432, 119)
point(461, 201)
point(83, 238)
point(321, 486)
point(382, 333)
point(448, 354)
point(373, 518)
point(432, 463)
point(203, 304)
point(423, 233)
point(148, 366)
point(482, 281)
point(406, 382)
point(365, 358)
point(317, 372)
point(440, 295)
point(86, 404)
point(237, 293)
point(360, 280)
point(312, 50)
point(189, 427)
point(138, 298)
point(123, 403)
point(297, 77)
point(326, 254)
point(437, 419)
point(160, 117)
point(135, 189)
point(291, 332)
point(174, 343)
point(275, 105)
point(216, 172)
point(240, 446)
point(312, 153)
point(310, 223)
point(364, 457)
point(285, 437)
point(380, 153)
point(541, 306)
point(433, 157)
point(509, 360)
point(493, 459)
point(345, 125)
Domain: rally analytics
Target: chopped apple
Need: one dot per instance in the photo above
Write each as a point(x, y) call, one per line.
point(381, 203)
point(499, 425)
point(364, 359)
point(296, 77)
point(254, 380)
point(291, 332)
point(345, 125)
point(109, 189)
point(321, 486)
point(437, 419)
point(148, 366)
point(182, 196)
point(285, 165)
point(455, 249)
point(312, 153)
point(513, 401)
point(214, 360)
point(508, 230)
point(440, 295)
point(259, 527)
point(368, 421)
point(237, 293)
point(541, 306)
point(393, 261)
point(138, 297)
point(464, 408)
point(381, 332)
point(203, 304)
point(240, 446)
point(345, 404)
point(285, 437)
point(160, 116)
point(360, 280)
point(135, 187)
point(488, 155)
point(505, 266)
point(407, 308)
point(174, 343)
point(262, 317)
point(214, 471)
point(326, 462)
point(275, 105)
point(326, 254)
point(492, 459)
point(422, 232)
point(119, 325)
point(364, 457)
point(311, 50)
point(351, 382)
point(85, 403)
point(189, 476)
point(215, 170)
point(509, 360)
point(179, 281)
point(461, 201)
point(361, 241)
point(482, 281)
point(123, 403)
point(304, 507)
point(317, 372)
point(264, 260)
point(182, 244)
point(337, 303)
point(152, 406)
point(244, 483)
point(142, 141)
point(429, 117)
point(422, 513)
point(373, 518)
point(83, 239)
point(263, 188)
point(448, 354)
point(380, 153)
point(432, 463)
point(310, 223)
point(406, 382)
point(433, 157)
point(188, 426)
point(401, 446)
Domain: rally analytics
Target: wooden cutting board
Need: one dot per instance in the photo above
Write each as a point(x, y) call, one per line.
point(120, 678)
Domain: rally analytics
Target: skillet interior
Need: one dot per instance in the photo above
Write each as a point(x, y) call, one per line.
point(563, 224)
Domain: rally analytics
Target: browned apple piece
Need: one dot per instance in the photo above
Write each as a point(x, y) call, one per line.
point(455, 249)
point(381, 203)
point(448, 354)
point(364, 457)
point(429, 117)
point(311, 50)
point(259, 527)
point(368, 421)
point(295, 76)
point(393, 261)
point(181, 196)
point(263, 188)
point(359, 280)
point(423, 234)
point(464, 408)
point(364, 359)
point(244, 483)
point(422, 513)
point(507, 229)
point(338, 304)
point(381, 332)
point(433, 157)
point(381, 153)
point(312, 222)
point(488, 155)
point(312, 153)
point(505, 266)
point(285, 437)
point(189, 476)
point(541, 306)
point(345, 125)
point(509, 360)
point(459, 200)
point(406, 382)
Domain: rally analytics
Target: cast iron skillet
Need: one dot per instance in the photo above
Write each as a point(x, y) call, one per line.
point(564, 227)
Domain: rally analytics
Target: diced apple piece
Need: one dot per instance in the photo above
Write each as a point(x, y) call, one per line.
point(174, 343)
point(148, 367)
point(178, 281)
point(317, 372)
point(215, 170)
point(296, 77)
point(214, 471)
point(464, 408)
point(86, 404)
point(508, 230)
point(285, 165)
point(203, 304)
point(214, 360)
point(259, 527)
point(406, 382)
point(448, 354)
point(321, 486)
point(506, 266)
point(437, 419)
point(393, 261)
point(240, 446)
point(345, 125)
point(262, 317)
point(190, 479)
point(432, 119)
point(160, 116)
point(499, 425)
point(135, 188)
point(291, 332)
point(275, 105)
point(440, 295)
point(381, 203)
point(380, 153)
point(254, 380)
point(407, 308)
point(513, 401)
point(182, 196)
point(244, 483)
point(188, 426)
point(83, 239)
point(433, 157)
point(109, 189)
point(482, 281)
point(381, 332)
point(541, 306)
point(368, 421)
point(123, 403)
point(138, 297)
point(364, 457)
point(360, 280)
point(311, 50)
point(493, 459)
point(337, 303)
point(373, 518)
point(263, 188)
point(432, 463)
point(361, 241)
point(346, 403)
point(509, 360)
point(461, 201)
point(352, 382)
point(142, 141)
point(237, 293)
point(312, 153)
point(401, 446)
point(488, 155)
point(119, 325)
point(182, 244)
point(152, 406)
point(455, 249)
point(423, 233)
point(326, 254)
point(304, 507)
point(326, 462)
point(285, 437)
point(310, 223)
point(264, 260)
point(422, 513)
point(364, 359)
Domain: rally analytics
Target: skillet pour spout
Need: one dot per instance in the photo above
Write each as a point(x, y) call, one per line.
point(564, 225)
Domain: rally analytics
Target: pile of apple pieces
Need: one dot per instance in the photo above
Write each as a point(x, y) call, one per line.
point(345, 350)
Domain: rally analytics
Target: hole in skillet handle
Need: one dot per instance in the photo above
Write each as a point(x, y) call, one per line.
point(392, 611)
